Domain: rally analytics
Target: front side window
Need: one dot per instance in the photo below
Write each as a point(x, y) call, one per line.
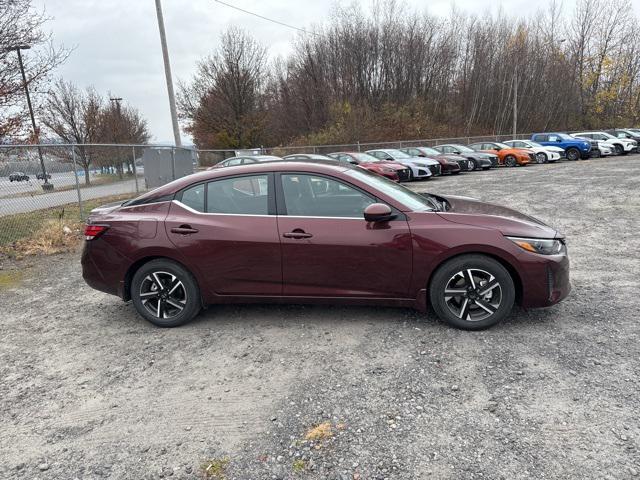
point(308, 195)
point(239, 195)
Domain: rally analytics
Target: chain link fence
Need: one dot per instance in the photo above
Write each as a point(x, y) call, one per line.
point(63, 183)
point(43, 184)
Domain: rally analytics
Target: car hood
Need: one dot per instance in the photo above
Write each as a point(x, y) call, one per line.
point(470, 211)
point(390, 164)
point(486, 155)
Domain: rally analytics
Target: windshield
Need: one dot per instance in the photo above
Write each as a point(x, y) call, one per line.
point(606, 135)
point(533, 144)
point(502, 145)
point(411, 199)
point(397, 153)
point(462, 148)
point(564, 136)
point(429, 151)
point(364, 157)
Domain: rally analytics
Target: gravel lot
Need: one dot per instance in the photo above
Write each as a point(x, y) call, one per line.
point(89, 390)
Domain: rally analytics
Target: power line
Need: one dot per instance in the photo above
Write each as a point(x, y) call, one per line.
point(268, 19)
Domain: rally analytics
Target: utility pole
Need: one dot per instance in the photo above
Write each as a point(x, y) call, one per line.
point(116, 126)
point(515, 105)
point(47, 185)
point(167, 73)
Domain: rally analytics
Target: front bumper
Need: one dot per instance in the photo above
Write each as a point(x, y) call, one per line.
point(451, 167)
point(420, 172)
point(547, 281)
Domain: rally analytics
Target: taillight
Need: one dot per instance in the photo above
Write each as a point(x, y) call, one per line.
point(94, 231)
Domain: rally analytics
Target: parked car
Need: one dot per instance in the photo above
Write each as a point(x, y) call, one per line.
point(447, 161)
point(622, 146)
point(306, 157)
point(543, 154)
point(18, 177)
point(473, 157)
point(420, 168)
point(245, 160)
point(320, 233)
point(507, 155)
point(392, 170)
point(625, 133)
point(42, 176)
point(574, 148)
point(605, 149)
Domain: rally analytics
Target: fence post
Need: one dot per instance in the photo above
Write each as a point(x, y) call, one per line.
point(358, 145)
point(173, 163)
point(75, 173)
point(135, 168)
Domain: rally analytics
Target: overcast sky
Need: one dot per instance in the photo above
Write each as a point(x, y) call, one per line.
point(117, 46)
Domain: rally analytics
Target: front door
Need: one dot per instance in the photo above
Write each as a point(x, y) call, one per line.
point(227, 230)
point(329, 250)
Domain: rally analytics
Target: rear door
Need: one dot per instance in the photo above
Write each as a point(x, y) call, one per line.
point(227, 229)
point(329, 250)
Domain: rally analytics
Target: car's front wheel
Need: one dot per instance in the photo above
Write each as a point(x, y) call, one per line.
point(472, 292)
point(573, 154)
point(541, 157)
point(510, 161)
point(165, 293)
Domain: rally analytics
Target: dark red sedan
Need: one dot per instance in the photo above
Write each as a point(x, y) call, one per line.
point(320, 233)
point(387, 168)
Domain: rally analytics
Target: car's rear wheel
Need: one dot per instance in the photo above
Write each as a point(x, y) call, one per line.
point(472, 292)
point(165, 293)
point(573, 154)
point(541, 157)
point(510, 161)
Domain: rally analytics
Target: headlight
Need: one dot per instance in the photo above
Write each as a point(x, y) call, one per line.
point(543, 246)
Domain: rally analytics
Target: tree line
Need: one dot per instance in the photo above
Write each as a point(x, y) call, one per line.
point(389, 72)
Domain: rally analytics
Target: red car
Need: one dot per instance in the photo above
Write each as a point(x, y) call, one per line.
point(320, 233)
point(392, 170)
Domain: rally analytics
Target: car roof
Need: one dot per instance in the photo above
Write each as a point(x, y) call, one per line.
point(252, 157)
point(322, 167)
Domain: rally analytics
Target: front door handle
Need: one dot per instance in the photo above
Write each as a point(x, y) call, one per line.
point(184, 230)
point(297, 233)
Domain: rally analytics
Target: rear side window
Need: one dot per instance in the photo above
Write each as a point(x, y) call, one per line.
point(194, 197)
point(239, 195)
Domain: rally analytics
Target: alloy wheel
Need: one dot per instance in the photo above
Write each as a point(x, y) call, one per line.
point(473, 294)
point(541, 157)
point(163, 295)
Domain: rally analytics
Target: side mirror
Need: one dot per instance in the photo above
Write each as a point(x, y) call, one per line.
point(378, 212)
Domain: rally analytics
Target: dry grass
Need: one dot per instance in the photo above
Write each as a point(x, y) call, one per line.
point(10, 278)
point(215, 469)
point(299, 466)
point(319, 432)
point(53, 236)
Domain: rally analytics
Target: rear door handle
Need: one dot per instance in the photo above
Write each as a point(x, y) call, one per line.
point(184, 230)
point(297, 233)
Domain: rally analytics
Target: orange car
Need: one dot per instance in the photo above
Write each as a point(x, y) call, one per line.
point(507, 155)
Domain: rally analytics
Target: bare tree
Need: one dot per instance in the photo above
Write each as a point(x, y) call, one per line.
point(21, 25)
point(222, 105)
point(74, 116)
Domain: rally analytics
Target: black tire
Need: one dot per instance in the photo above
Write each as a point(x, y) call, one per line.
point(596, 153)
point(476, 263)
point(573, 154)
point(187, 295)
point(475, 164)
point(411, 177)
point(619, 149)
point(541, 157)
point(510, 161)
point(456, 172)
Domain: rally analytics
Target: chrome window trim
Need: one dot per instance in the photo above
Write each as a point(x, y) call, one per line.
point(188, 208)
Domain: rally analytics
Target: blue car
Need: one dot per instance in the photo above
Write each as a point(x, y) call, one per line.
point(575, 148)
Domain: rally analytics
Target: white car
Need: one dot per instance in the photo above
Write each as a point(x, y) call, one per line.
point(622, 146)
point(606, 149)
point(543, 153)
point(420, 167)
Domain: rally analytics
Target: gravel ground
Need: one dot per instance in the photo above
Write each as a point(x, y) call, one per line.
point(89, 390)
